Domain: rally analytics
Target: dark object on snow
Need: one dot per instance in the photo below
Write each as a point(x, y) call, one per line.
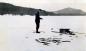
point(70, 36)
point(47, 41)
point(43, 41)
point(55, 31)
point(66, 31)
point(66, 41)
point(51, 28)
point(56, 41)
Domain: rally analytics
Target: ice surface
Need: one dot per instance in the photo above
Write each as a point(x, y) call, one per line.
point(19, 34)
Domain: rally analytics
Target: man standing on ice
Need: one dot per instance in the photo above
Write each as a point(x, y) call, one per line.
point(37, 21)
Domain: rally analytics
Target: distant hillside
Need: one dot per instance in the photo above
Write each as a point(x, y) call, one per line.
point(6, 8)
point(70, 11)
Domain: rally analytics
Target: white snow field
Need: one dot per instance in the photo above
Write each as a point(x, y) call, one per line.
point(17, 33)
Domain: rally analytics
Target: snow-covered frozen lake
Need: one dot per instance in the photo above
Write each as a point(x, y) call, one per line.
point(16, 33)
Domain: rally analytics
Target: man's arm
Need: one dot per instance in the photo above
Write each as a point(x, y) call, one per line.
point(41, 18)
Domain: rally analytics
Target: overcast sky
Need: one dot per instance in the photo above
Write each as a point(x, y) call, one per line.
point(49, 5)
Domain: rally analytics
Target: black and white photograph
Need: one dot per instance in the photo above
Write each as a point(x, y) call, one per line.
point(42, 25)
